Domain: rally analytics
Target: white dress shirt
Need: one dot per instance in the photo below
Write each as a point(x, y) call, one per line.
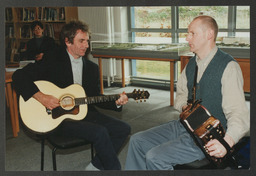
point(77, 69)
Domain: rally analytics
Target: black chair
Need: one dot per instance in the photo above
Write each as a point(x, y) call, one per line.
point(61, 142)
point(206, 164)
point(57, 141)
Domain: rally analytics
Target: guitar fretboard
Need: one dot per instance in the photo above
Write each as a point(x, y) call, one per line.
point(99, 99)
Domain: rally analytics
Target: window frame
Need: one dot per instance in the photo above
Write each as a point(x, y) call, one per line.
point(175, 31)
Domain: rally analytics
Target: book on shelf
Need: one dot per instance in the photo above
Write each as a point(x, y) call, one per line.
point(8, 14)
point(48, 30)
point(25, 32)
point(27, 14)
point(51, 14)
point(40, 13)
point(62, 13)
point(9, 31)
point(53, 30)
point(57, 29)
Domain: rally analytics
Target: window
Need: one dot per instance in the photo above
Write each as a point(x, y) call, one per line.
point(154, 22)
point(188, 13)
point(243, 22)
point(168, 24)
point(242, 17)
point(153, 69)
point(152, 17)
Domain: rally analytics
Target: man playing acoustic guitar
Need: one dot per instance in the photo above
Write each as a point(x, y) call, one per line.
point(66, 65)
point(219, 86)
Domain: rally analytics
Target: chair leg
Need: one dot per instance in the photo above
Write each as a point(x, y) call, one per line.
point(54, 159)
point(92, 152)
point(42, 154)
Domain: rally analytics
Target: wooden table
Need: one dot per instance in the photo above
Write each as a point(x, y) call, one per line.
point(172, 62)
point(11, 98)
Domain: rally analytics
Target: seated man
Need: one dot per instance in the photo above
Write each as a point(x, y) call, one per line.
point(68, 65)
point(221, 90)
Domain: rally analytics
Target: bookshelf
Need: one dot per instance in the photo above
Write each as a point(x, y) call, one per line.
point(18, 21)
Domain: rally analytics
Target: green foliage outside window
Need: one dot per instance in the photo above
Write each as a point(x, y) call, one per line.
point(160, 17)
point(187, 13)
point(153, 17)
point(243, 17)
point(147, 16)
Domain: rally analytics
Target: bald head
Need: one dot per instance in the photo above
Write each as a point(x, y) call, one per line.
point(208, 23)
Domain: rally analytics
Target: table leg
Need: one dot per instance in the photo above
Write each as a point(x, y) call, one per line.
point(123, 73)
point(15, 105)
point(171, 83)
point(11, 107)
point(7, 101)
point(101, 76)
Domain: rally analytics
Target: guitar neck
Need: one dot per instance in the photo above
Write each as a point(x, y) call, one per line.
point(99, 99)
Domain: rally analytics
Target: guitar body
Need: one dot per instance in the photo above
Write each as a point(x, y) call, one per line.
point(35, 115)
point(73, 105)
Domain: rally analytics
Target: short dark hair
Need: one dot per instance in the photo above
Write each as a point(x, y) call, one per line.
point(69, 31)
point(34, 23)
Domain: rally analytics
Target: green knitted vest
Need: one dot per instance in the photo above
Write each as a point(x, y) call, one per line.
point(209, 87)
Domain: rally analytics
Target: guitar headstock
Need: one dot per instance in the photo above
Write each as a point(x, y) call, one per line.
point(140, 95)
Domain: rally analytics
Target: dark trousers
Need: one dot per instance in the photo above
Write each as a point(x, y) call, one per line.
point(107, 134)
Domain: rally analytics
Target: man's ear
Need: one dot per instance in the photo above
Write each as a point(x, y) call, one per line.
point(67, 42)
point(210, 34)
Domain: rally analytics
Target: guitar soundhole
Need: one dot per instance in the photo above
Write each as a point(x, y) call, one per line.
point(67, 102)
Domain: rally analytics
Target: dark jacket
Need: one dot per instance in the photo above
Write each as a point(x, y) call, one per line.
point(56, 68)
point(47, 44)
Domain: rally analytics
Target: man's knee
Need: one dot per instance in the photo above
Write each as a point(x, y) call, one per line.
point(152, 160)
point(137, 137)
point(156, 161)
point(101, 132)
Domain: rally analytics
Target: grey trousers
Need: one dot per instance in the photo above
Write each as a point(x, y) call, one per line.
point(161, 148)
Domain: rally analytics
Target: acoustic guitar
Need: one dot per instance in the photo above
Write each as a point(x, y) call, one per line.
point(73, 105)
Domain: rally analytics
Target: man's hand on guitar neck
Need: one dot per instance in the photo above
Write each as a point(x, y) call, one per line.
point(216, 149)
point(122, 100)
point(48, 101)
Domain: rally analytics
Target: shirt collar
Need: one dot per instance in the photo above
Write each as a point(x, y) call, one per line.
point(73, 60)
point(208, 58)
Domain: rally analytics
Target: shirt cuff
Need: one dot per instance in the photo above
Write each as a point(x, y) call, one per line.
point(118, 106)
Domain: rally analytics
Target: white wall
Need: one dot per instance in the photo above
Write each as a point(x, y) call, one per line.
point(108, 24)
